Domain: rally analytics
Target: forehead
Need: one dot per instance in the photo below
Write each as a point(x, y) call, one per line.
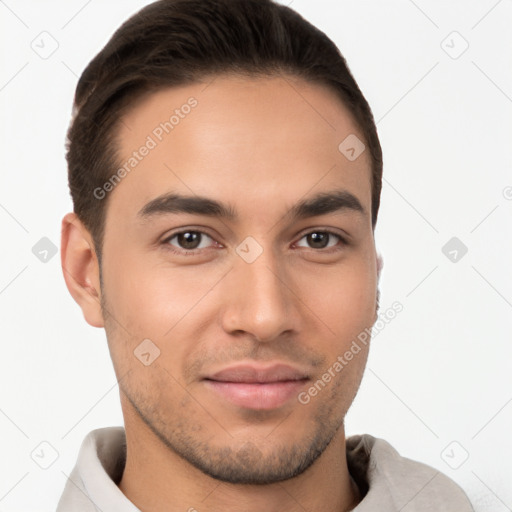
point(260, 141)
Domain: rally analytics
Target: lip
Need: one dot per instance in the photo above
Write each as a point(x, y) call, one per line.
point(257, 387)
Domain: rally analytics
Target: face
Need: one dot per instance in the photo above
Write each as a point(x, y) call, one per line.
point(232, 283)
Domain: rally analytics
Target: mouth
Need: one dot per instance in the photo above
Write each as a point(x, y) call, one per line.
point(259, 388)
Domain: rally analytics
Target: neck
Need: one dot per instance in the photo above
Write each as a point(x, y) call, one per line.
point(156, 479)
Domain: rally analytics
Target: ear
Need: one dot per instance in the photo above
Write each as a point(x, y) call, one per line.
point(81, 268)
point(380, 264)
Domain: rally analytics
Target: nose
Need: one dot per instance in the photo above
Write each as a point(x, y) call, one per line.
point(259, 299)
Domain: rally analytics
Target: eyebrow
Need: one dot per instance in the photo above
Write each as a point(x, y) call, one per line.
point(320, 204)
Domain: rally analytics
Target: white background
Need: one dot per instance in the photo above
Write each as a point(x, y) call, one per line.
point(439, 372)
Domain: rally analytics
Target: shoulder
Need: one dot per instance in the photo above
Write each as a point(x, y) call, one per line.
point(92, 485)
point(392, 482)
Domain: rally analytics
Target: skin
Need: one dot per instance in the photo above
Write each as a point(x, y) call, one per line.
point(259, 145)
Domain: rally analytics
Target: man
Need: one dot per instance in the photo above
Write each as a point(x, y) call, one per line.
point(226, 172)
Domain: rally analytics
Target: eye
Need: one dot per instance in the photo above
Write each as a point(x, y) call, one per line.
point(188, 241)
point(322, 239)
point(191, 242)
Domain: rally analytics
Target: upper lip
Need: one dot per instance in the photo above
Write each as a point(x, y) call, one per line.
point(251, 374)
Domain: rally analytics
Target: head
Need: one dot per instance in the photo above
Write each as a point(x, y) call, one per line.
point(225, 172)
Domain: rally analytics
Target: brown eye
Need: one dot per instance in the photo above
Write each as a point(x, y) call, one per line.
point(320, 239)
point(188, 240)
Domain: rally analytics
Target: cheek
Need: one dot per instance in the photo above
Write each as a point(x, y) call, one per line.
point(153, 297)
point(344, 298)
point(169, 306)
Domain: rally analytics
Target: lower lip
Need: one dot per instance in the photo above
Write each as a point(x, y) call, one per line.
point(265, 396)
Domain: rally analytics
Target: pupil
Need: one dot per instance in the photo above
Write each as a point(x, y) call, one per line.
point(189, 240)
point(318, 240)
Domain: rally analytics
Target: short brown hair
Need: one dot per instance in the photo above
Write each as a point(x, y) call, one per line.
point(176, 42)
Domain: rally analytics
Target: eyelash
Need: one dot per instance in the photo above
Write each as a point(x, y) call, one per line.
point(195, 252)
